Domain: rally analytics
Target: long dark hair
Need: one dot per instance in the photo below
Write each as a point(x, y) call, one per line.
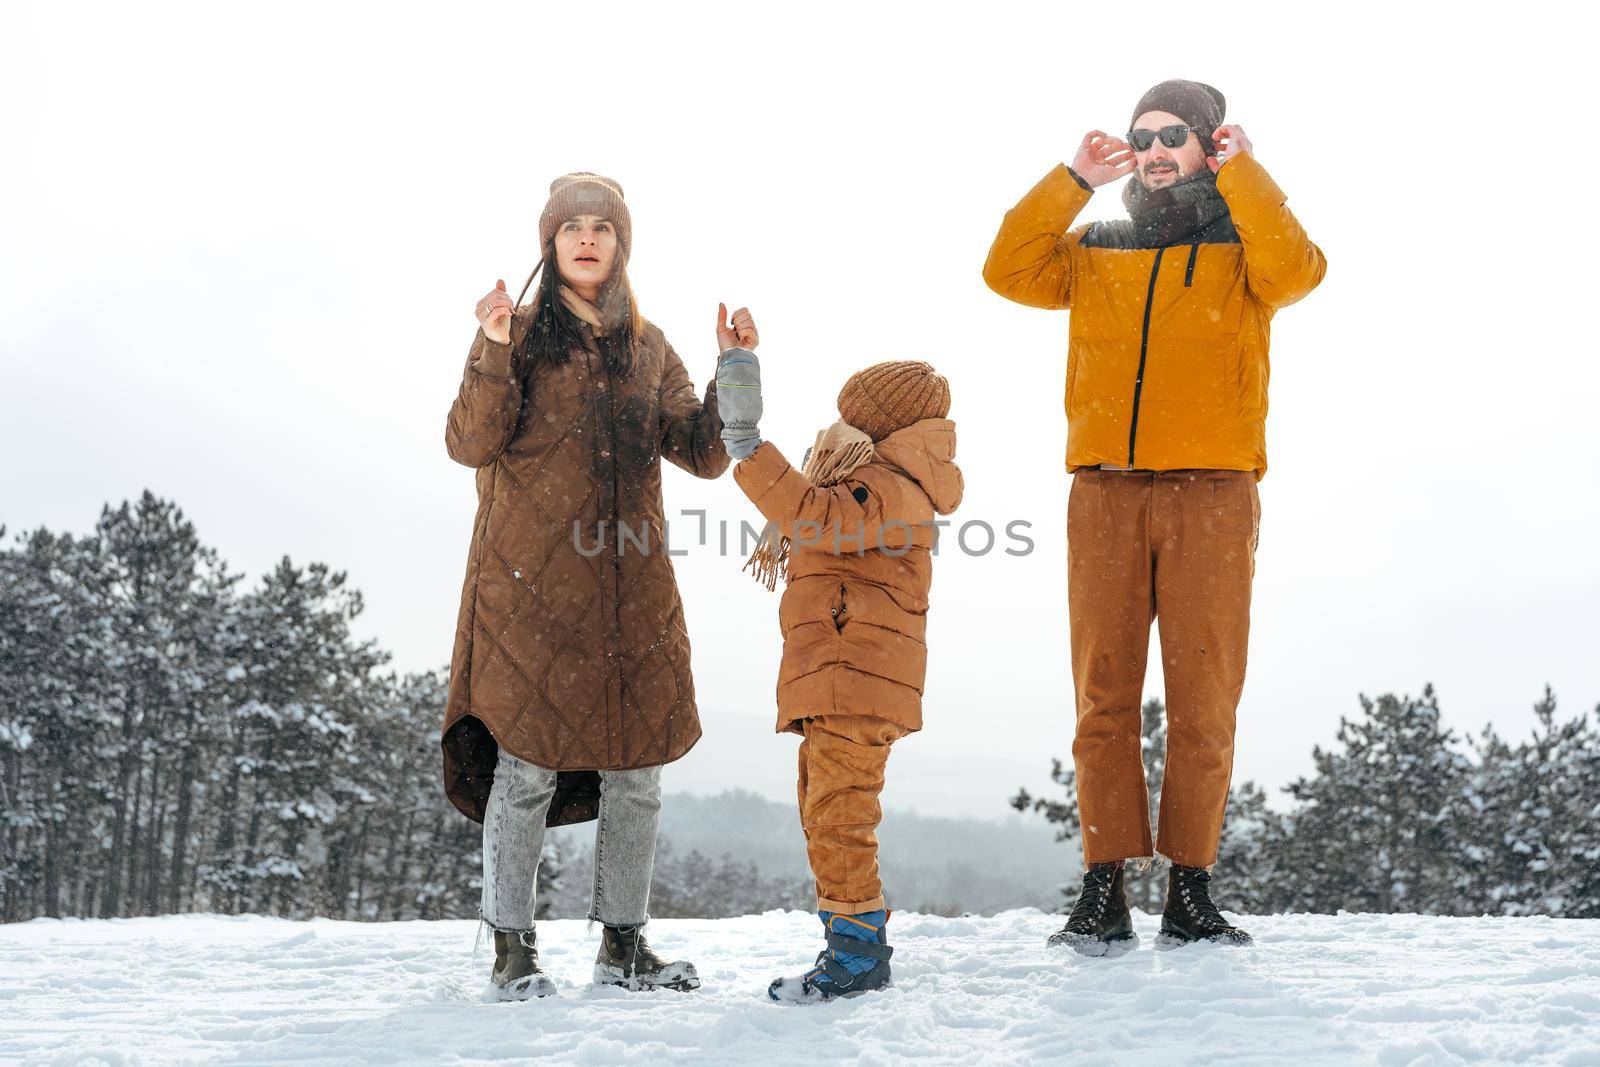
point(553, 330)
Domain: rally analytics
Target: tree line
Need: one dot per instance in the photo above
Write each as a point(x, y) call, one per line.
point(172, 740)
point(1400, 815)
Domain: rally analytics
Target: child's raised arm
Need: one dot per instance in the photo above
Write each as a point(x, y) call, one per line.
point(869, 509)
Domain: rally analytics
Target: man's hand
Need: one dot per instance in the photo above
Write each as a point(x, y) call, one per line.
point(1230, 142)
point(494, 314)
point(1102, 158)
point(741, 334)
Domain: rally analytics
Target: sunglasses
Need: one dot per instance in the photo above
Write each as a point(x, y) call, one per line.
point(1171, 136)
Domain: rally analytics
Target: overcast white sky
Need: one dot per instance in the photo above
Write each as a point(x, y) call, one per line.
point(242, 244)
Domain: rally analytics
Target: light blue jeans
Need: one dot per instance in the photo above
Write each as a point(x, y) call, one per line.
point(513, 840)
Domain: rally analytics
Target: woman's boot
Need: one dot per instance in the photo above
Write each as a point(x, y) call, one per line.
point(626, 959)
point(517, 974)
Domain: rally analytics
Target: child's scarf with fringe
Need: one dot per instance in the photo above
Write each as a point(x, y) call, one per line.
point(838, 452)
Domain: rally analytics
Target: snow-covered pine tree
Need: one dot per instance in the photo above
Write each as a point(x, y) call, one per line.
point(1532, 851)
point(162, 594)
point(388, 766)
point(1580, 846)
point(302, 685)
point(446, 865)
point(1487, 864)
point(50, 695)
point(1251, 871)
point(1380, 825)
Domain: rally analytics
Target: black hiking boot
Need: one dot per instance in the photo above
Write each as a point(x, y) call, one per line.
point(627, 960)
point(1100, 924)
point(517, 974)
point(1191, 916)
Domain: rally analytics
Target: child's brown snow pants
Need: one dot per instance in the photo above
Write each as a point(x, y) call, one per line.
point(842, 759)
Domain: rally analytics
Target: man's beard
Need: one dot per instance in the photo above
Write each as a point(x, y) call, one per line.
point(1171, 171)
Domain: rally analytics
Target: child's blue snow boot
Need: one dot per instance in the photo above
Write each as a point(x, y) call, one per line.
point(856, 960)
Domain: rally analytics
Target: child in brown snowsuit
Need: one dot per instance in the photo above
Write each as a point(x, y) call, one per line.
point(853, 534)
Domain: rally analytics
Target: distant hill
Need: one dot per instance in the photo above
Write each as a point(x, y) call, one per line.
point(930, 864)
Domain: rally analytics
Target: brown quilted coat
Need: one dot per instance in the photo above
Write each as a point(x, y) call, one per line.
point(570, 649)
point(855, 622)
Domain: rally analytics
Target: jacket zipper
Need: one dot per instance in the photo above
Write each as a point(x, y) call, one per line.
point(1144, 348)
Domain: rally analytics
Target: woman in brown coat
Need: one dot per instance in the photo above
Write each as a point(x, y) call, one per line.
point(570, 684)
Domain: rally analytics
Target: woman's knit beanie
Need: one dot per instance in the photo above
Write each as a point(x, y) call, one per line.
point(585, 193)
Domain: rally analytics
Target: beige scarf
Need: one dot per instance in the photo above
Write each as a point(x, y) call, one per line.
point(583, 309)
point(838, 452)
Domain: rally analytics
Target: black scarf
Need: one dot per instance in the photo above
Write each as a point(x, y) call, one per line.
point(1190, 210)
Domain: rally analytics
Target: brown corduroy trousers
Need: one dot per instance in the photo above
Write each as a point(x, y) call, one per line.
point(842, 759)
point(1177, 547)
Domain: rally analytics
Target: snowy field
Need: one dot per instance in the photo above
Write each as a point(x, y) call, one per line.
point(1316, 989)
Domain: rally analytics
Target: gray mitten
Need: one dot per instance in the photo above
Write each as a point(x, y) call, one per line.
point(739, 401)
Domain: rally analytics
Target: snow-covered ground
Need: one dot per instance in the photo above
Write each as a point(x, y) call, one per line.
point(1315, 989)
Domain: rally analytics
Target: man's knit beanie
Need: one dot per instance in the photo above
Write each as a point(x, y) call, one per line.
point(1196, 103)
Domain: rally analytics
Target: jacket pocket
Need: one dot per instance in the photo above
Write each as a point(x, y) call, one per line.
point(1189, 370)
point(1250, 383)
point(1231, 507)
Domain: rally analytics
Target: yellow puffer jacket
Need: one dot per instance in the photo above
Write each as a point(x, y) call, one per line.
point(1167, 349)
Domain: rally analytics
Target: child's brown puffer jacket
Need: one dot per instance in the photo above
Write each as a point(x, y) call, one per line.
point(854, 622)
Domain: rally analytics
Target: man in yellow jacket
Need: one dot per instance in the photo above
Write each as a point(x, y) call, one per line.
point(1166, 400)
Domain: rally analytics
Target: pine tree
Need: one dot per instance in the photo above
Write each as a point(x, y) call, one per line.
point(1535, 813)
point(303, 687)
point(43, 710)
point(164, 592)
point(1251, 871)
point(1379, 827)
point(1580, 846)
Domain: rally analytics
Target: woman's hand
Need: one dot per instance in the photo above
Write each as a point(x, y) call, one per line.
point(494, 314)
point(742, 332)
